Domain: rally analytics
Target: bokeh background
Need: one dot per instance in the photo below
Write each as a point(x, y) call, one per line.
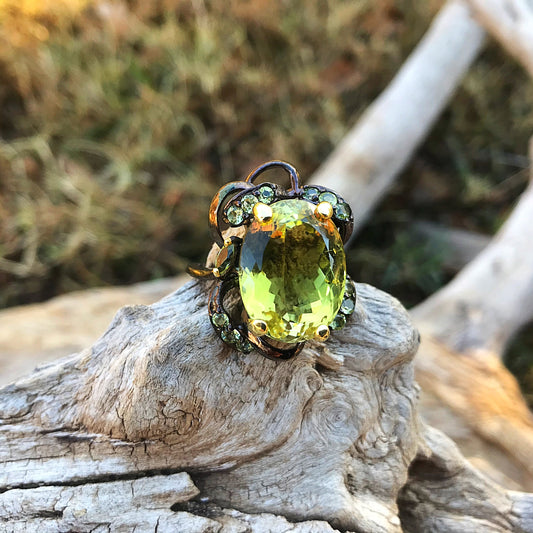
point(120, 120)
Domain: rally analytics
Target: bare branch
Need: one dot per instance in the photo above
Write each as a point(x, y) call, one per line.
point(491, 298)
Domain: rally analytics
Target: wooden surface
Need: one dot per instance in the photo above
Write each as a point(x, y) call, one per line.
point(159, 394)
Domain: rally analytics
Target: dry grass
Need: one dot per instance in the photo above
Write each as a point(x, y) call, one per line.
point(119, 120)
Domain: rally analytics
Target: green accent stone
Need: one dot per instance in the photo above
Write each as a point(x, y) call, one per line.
point(266, 194)
point(225, 259)
point(338, 322)
point(247, 203)
point(244, 345)
point(235, 215)
point(230, 336)
point(350, 289)
point(343, 211)
point(292, 271)
point(348, 307)
point(220, 320)
point(310, 193)
point(328, 197)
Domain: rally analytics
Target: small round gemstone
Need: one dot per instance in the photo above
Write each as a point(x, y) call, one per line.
point(343, 211)
point(266, 194)
point(347, 307)
point(248, 202)
point(220, 320)
point(328, 197)
point(235, 215)
point(310, 193)
point(230, 336)
point(338, 322)
point(244, 345)
point(349, 291)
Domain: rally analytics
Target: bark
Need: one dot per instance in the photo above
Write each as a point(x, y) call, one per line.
point(159, 395)
point(365, 163)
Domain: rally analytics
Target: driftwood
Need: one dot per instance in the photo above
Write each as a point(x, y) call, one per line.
point(466, 327)
point(31, 335)
point(365, 163)
point(478, 310)
point(102, 438)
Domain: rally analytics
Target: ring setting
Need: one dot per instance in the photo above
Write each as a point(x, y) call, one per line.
point(283, 254)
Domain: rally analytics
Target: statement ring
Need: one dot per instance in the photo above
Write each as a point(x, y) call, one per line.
point(282, 252)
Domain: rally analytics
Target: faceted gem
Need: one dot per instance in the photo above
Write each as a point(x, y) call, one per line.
point(247, 203)
point(230, 336)
point(266, 194)
point(348, 307)
point(350, 289)
point(310, 193)
point(292, 271)
point(338, 322)
point(225, 259)
point(328, 197)
point(343, 211)
point(235, 215)
point(244, 345)
point(220, 320)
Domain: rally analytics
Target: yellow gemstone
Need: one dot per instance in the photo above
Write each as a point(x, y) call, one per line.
point(292, 271)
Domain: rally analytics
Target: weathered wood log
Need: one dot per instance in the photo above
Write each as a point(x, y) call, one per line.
point(332, 435)
point(365, 163)
point(31, 335)
point(466, 326)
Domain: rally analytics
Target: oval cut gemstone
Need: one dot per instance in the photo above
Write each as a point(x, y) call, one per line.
point(292, 271)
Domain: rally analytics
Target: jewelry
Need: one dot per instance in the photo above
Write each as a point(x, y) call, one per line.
point(284, 252)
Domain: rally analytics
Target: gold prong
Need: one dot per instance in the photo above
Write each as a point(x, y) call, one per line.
point(322, 333)
point(324, 211)
point(227, 241)
point(216, 272)
point(258, 327)
point(262, 212)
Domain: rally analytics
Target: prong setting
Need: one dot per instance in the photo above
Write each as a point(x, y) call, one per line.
point(260, 209)
point(324, 211)
point(262, 212)
point(258, 327)
point(322, 333)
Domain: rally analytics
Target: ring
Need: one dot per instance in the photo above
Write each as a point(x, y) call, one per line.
point(281, 251)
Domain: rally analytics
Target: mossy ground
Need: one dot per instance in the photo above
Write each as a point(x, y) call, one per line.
point(118, 122)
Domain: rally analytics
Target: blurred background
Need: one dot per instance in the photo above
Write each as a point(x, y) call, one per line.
point(120, 120)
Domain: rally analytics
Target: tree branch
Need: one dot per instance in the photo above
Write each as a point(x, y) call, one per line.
point(490, 299)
